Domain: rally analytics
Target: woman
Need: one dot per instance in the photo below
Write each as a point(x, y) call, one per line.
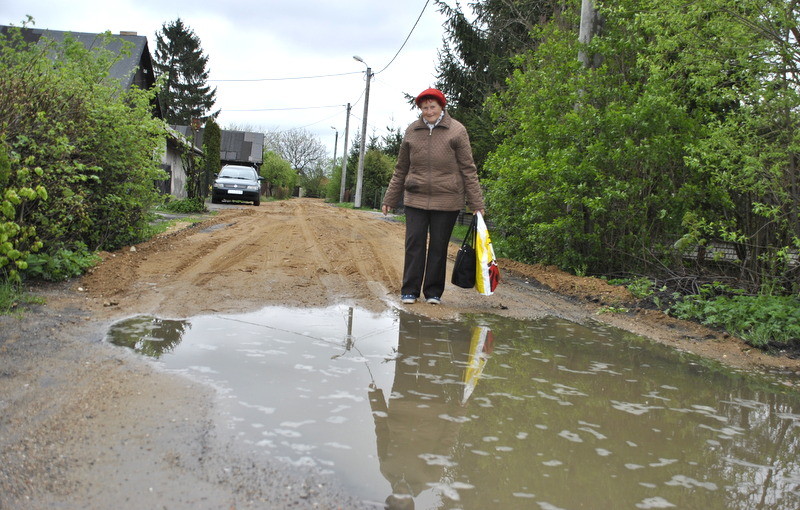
point(434, 175)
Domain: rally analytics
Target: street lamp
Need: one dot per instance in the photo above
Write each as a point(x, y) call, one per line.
point(344, 155)
point(360, 176)
point(335, 144)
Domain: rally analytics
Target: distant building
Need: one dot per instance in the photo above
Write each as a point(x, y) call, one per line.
point(236, 147)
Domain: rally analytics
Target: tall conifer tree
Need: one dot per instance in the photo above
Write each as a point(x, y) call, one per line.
point(178, 56)
point(476, 57)
point(212, 141)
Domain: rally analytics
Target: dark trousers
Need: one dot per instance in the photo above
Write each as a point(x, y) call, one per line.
point(427, 238)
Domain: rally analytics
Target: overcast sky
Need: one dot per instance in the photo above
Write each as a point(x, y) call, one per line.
point(268, 39)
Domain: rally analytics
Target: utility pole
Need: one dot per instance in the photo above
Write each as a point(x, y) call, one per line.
point(335, 144)
point(589, 27)
point(360, 176)
point(344, 155)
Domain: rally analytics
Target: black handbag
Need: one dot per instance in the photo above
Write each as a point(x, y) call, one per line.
point(464, 266)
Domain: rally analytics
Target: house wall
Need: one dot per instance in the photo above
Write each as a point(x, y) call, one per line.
point(174, 165)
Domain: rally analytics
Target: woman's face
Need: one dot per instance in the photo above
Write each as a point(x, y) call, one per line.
point(430, 110)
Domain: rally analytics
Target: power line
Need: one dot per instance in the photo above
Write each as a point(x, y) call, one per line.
point(286, 109)
point(290, 78)
point(407, 38)
point(323, 120)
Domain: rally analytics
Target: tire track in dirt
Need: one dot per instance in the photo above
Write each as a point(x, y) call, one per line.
point(323, 271)
point(333, 236)
point(376, 249)
point(210, 262)
point(301, 252)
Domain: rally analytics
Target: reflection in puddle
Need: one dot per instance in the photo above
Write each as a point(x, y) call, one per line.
point(489, 412)
point(150, 336)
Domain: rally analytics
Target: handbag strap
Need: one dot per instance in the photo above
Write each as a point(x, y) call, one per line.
point(472, 233)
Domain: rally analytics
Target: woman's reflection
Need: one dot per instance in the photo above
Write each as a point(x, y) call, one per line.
point(418, 426)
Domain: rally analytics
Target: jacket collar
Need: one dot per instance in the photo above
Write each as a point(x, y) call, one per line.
point(445, 122)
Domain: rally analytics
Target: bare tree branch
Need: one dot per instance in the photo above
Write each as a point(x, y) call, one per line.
point(299, 147)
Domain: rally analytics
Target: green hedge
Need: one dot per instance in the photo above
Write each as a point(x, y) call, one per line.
point(78, 156)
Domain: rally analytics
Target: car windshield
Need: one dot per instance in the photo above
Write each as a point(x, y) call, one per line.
point(238, 173)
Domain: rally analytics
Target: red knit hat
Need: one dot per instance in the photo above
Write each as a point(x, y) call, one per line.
point(434, 94)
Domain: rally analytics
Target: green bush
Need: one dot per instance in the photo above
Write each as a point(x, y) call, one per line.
point(186, 206)
point(61, 265)
point(640, 287)
point(78, 156)
point(212, 139)
point(761, 321)
point(278, 174)
point(664, 143)
point(378, 169)
point(588, 175)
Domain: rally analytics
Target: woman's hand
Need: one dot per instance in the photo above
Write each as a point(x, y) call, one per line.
point(385, 209)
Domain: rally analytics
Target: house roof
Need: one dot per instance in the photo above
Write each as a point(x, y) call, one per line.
point(242, 146)
point(235, 146)
point(136, 68)
point(182, 141)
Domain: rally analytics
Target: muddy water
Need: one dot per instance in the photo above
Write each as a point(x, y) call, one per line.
point(489, 412)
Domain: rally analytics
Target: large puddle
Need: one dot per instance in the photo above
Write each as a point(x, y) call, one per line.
point(489, 412)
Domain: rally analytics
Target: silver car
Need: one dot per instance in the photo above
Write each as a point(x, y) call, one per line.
point(237, 182)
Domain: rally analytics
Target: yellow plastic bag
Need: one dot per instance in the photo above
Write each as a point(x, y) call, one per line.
point(479, 351)
point(487, 274)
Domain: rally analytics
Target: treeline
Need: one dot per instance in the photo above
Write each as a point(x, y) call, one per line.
point(380, 158)
point(679, 137)
point(78, 158)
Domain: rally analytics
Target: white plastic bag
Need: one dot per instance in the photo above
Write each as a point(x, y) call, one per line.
point(487, 274)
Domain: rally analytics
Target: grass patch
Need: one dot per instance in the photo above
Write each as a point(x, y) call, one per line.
point(12, 296)
point(459, 233)
point(185, 206)
point(159, 226)
point(351, 205)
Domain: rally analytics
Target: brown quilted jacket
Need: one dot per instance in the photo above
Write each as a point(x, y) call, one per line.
point(435, 170)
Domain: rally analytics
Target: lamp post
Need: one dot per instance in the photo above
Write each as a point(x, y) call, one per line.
point(335, 144)
point(344, 155)
point(360, 176)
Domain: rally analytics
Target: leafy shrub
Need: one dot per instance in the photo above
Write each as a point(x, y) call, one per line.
point(78, 155)
point(581, 178)
point(761, 321)
point(60, 265)
point(640, 287)
point(606, 167)
point(278, 174)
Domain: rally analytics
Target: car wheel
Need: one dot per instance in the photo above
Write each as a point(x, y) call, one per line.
point(257, 202)
point(215, 200)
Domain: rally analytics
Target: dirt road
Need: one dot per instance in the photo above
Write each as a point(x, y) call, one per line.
point(87, 425)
